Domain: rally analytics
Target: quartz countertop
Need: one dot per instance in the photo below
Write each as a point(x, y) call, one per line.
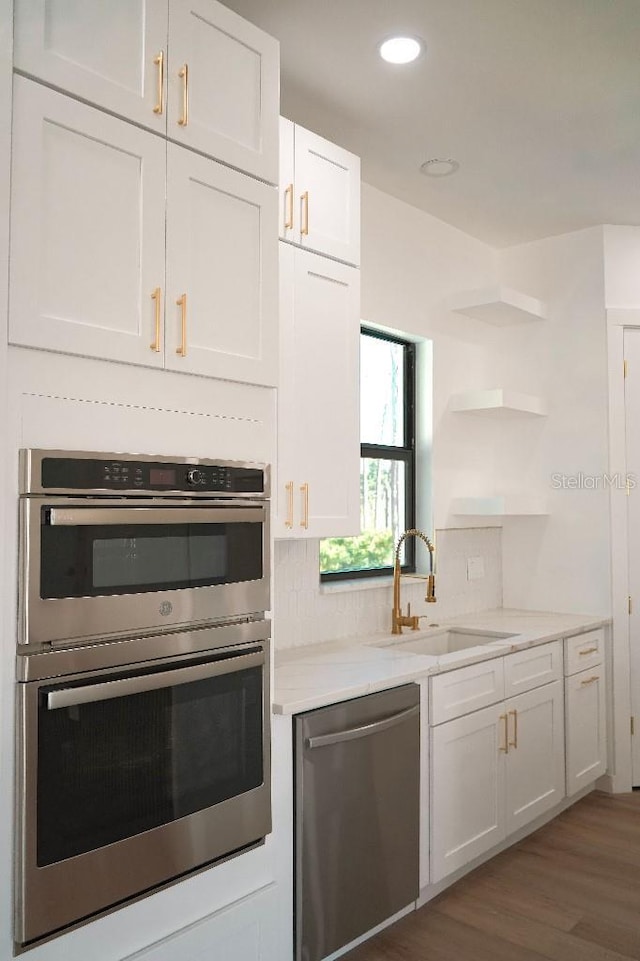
point(319, 674)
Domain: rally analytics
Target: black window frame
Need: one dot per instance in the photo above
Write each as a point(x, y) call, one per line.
point(405, 454)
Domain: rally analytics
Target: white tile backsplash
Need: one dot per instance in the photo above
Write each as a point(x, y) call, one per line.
point(306, 612)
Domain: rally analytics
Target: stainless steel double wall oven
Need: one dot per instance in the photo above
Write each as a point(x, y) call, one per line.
point(143, 676)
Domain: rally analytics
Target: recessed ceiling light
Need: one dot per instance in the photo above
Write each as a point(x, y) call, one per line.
point(439, 168)
point(401, 49)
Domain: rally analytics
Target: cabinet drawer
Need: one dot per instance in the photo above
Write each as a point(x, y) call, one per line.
point(466, 689)
point(583, 651)
point(532, 667)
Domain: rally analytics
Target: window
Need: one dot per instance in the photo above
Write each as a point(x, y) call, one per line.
point(387, 463)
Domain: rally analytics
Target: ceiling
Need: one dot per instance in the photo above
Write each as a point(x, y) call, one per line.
point(537, 100)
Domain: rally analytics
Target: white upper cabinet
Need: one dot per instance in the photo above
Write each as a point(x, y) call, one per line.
point(104, 53)
point(87, 272)
point(87, 229)
point(223, 87)
point(318, 488)
point(222, 256)
point(319, 194)
point(193, 71)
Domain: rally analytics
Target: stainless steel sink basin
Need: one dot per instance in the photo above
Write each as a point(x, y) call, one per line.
point(446, 641)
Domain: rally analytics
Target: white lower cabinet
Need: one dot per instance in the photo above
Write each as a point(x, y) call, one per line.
point(318, 487)
point(585, 706)
point(244, 931)
point(494, 770)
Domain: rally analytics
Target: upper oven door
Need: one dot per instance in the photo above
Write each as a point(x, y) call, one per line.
point(98, 569)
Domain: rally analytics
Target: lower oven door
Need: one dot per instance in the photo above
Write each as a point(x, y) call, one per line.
point(133, 777)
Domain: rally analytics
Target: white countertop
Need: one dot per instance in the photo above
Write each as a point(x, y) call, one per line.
point(320, 674)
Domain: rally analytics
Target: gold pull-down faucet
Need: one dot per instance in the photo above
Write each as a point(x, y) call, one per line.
point(398, 619)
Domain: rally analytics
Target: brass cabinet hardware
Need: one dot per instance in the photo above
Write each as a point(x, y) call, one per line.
point(157, 297)
point(304, 490)
point(588, 650)
point(183, 73)
point(625, 368)
point(589, 680)
point(289, 520)
point(304, 230)
point(288, 204)
point(505, 748)
point(159, 62)
point(514, 743)
point(182, 349)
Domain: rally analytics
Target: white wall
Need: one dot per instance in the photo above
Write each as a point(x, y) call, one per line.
point(621, 262)
point(561, 562)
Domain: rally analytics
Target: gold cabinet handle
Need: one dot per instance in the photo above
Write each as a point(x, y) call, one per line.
point(505, 748)
point(157, 297)
point(514, 743)
point(288, 206)
point(159, 62)
point(289, 519)
point(589, 680)
point(305, 213)
point(304, 490)
point(588, 650)
point(182, 349)
point(183, 73)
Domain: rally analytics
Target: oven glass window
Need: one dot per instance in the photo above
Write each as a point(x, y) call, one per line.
point(110, 769)
point(87, 561)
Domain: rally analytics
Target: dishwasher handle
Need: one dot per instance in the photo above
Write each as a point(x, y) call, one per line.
point(352, 733)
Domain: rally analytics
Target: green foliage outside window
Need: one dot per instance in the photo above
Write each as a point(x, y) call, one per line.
point(371, 550)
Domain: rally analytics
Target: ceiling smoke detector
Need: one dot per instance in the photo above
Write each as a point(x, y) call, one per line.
point(439, 168)
point(401, 49)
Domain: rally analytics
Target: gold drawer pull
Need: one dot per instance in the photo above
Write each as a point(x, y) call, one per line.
point(304, 490)
point(182, 349)
point(589, 680)
point(288, 204)
point(514, 743)
point(156, 296)
point(588, 650)
point(505, 748)
point(304, 230)
point(183, 73)
point(159, 62)
point(289, 521)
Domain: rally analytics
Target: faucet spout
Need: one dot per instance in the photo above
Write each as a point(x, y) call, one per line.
point(398, 619)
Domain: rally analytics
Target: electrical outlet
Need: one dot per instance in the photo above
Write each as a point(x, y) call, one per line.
point(475, 568)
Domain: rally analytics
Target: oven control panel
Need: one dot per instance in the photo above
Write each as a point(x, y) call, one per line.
point(71, 472)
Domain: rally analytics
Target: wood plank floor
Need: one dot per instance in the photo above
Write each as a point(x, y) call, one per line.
point(569, 892)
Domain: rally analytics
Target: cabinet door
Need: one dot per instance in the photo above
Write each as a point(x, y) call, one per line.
point(535, 761)
point(318, 404)
point(106, 53)
point(222, 253)
point(327, 201)
point(586, 728)
point(226, 103)
point(87, 229)
point(467, 789)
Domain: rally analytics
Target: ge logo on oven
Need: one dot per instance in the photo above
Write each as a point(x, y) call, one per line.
point(165, 608)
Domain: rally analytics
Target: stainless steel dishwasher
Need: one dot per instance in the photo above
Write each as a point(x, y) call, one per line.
point(357, 783)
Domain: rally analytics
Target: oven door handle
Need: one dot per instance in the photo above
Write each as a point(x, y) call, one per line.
point(101, 516)
point(107, 690)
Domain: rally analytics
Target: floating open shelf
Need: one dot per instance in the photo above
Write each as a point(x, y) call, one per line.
point(500, 306)
point(497, 401)
point(499, 505)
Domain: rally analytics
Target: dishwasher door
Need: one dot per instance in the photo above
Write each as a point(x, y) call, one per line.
point(357, 783)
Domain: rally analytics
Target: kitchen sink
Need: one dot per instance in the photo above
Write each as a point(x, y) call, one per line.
point(446, 641)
